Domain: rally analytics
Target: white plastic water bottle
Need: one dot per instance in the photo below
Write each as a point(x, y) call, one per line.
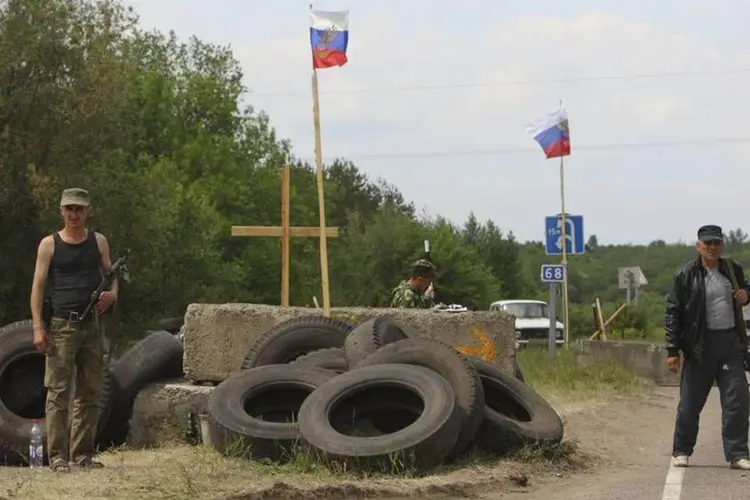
point(36, 446)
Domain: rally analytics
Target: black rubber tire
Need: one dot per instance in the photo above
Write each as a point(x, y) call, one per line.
point(22, 372)
point(427, 441)
point(22, 387)
point(452, 365)
point(171, 325)
point(515, 415)
point(158, 356)
point(235, 432)
point(34, 404)
point(329, 359)
point(371, 335)
point(295, 337)
point(378, 412)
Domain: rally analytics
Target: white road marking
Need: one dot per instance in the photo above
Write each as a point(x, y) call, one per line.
point(673, 484)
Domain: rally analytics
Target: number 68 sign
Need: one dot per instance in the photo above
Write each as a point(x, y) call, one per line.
point(553, 273)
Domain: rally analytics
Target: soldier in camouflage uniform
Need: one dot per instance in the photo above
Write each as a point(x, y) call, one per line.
point(417, 291)
point(73, 259)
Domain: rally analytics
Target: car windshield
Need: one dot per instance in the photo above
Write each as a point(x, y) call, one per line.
point(527, 310)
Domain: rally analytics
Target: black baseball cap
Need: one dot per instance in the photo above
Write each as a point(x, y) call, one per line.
point(710, 233)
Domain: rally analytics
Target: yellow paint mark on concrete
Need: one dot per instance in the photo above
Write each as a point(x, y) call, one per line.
point(486, 349)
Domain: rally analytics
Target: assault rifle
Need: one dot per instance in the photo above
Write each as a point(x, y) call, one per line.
point(117, 267)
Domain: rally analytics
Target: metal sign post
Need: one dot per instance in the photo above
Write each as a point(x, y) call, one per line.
point(552, 321)
point(564, 237)
point(631, 279)
point(553, 274)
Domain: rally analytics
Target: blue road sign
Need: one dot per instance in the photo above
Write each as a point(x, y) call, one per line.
point(553, 273)
point(573, 234)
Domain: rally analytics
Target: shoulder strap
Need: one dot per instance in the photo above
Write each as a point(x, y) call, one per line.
point(730, 272)
point(93, 239)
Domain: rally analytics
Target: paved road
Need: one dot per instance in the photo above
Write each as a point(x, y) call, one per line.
point(708, 477)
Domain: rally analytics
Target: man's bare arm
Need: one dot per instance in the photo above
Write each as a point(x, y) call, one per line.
point(106, 259)
point(41, 271)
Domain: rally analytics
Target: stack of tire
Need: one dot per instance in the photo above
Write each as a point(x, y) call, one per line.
point(22, 393)
point(366, 394)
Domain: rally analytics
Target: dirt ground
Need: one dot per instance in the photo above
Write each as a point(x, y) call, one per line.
point(602, 426)
point(624, 440)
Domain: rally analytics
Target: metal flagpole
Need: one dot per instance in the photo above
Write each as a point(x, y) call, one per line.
point(564, 251)
point(563, 234)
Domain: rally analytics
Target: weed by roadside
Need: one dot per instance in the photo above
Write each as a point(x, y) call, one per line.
point(566, 376)
point(171, 471)
point(565, 455)
point(177, 472)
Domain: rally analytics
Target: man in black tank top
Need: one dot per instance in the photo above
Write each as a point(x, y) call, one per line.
point(73, 259)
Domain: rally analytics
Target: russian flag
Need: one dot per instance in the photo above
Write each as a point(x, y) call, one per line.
point(552, 133)
point(329, 37)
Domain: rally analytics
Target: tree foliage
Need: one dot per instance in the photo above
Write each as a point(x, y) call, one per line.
point(153, 127)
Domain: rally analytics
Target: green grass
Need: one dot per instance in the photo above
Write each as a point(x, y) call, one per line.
point(634, 335)
point(175, 471)
point(565, 376)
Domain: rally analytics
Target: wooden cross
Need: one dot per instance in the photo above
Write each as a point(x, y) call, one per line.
point(285, 231)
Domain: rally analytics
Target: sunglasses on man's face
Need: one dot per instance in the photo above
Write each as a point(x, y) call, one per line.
point(712, 242)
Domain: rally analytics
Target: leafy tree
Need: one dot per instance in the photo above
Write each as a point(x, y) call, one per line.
point(155, 129)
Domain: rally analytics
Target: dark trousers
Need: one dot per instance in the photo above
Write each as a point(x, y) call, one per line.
point(722, 362)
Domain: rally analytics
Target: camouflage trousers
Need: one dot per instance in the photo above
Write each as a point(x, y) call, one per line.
point(75, 356)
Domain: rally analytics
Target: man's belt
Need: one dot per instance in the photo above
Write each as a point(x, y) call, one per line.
point(72, 316)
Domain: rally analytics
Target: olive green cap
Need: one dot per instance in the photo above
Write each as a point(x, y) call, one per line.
point(75, 196)
point(425, 265)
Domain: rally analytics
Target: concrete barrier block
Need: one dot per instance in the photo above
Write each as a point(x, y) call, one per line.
point(646, 359)
point(218, 336)
point(160, 412)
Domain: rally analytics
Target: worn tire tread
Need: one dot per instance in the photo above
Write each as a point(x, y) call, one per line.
point(157, 356)
point(332, 358)
point(452, 365)
point(431, 437)
point(502, 433)
point(371, 335)
point(234, 432)
point(295, 337)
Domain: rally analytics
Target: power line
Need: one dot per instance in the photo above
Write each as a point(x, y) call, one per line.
point(634, 76)
point(511, 151)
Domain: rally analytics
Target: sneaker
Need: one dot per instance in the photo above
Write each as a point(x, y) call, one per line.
point(680, 461)
point(740, 463)
point(59, 465)
point(89, 463)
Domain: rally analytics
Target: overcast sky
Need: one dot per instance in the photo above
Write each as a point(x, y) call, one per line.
point(497, 65)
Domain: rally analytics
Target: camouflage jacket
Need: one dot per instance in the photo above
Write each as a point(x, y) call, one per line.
point(406, 296)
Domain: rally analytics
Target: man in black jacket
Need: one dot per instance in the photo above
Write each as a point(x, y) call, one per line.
point(704, 320)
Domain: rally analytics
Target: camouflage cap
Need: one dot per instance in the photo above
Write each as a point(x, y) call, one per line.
point(425, 266)
point(75, 196)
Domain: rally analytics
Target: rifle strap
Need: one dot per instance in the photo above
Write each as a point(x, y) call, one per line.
point(732, 276)
point(736, 287)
